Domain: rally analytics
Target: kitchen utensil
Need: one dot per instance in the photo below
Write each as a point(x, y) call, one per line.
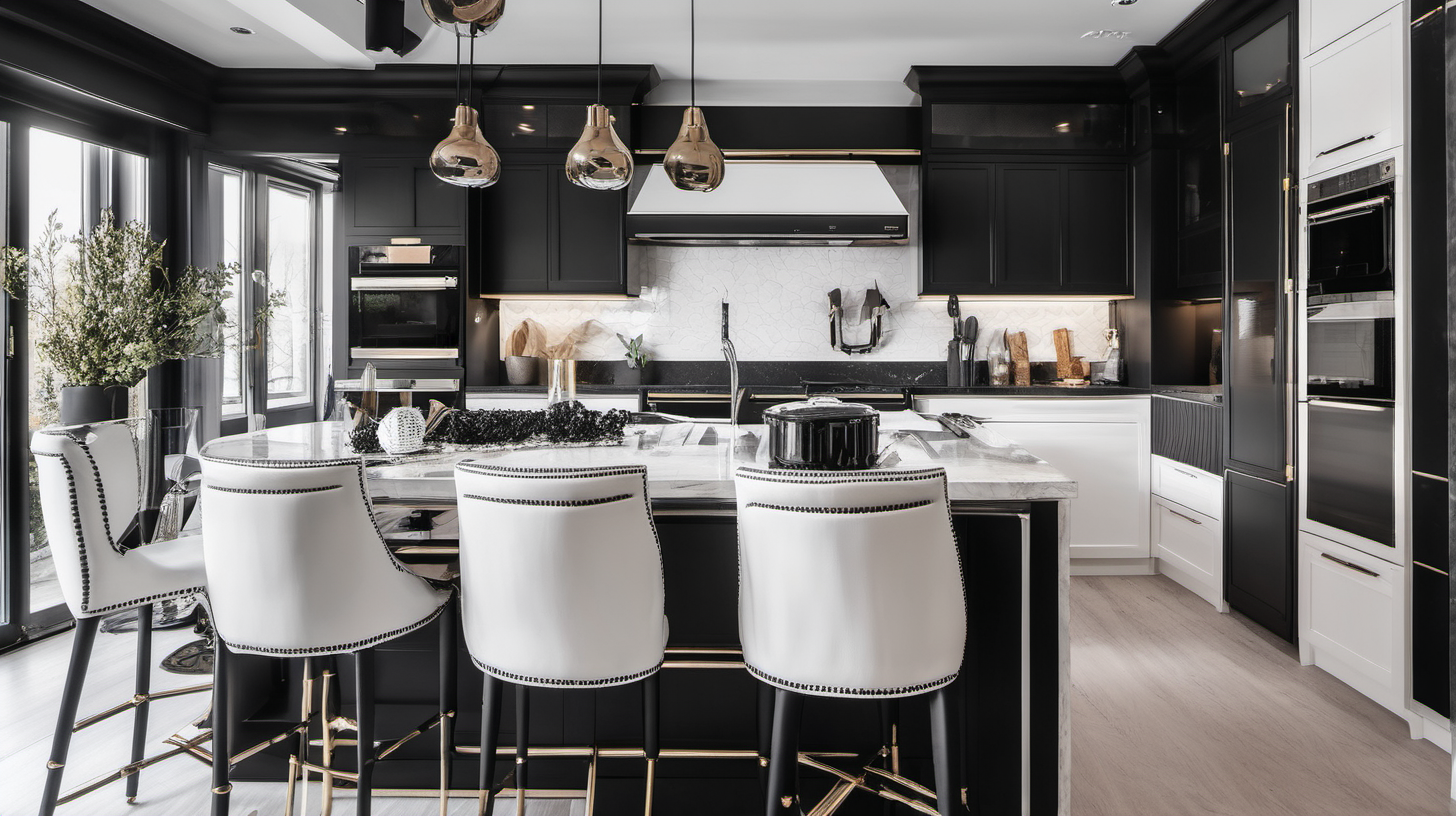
point(1020, 357)
point(955, 370)
point(1063, 341)
point(822, 434)
point(970, 328)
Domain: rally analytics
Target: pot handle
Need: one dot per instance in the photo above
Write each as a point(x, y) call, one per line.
point(821, 400)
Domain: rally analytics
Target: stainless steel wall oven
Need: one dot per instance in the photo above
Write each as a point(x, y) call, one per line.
point(405, 305)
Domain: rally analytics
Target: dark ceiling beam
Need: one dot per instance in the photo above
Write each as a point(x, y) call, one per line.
point(72, 50)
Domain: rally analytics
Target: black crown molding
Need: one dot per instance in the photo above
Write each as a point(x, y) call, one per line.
point(971, 84)
point(621, 84)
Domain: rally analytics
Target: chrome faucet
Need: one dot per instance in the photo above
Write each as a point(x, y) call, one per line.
point(732, 357)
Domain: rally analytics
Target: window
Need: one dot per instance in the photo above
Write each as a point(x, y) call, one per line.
point(269, 227)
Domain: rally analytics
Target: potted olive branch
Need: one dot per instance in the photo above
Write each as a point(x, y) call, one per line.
point(105, 310)
point(637, 359)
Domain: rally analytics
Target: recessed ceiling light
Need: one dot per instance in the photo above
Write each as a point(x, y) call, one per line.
point(240, 30)
point(1102, 34)
point(1123, 2)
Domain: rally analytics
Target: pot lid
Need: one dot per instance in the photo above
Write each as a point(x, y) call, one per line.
point(820, 408)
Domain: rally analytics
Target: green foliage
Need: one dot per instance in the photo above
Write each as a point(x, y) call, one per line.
point(105, 308)
point(636, 356)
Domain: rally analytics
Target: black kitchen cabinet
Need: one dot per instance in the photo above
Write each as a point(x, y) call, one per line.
point(956, 221)
point(398, 196)
point(1261, 65)
point(537, 233)
point(1426, 143)
point(1431, 638)
point(1259, 566)
point(1255, 337)
point(1026, 228)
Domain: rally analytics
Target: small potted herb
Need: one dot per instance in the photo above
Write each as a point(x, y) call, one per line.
point(636, 361)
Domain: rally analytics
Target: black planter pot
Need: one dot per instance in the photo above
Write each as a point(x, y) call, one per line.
point(81, 404)
point(626, 375)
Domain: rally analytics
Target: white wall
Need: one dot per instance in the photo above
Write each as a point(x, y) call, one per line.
point(779, 299)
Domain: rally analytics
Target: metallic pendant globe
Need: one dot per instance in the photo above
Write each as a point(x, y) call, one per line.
point(483, 14)
point(599, 160)
point(693, 162)
point(465, 158)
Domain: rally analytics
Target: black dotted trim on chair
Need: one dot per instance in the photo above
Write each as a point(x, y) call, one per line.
point(845, 691)
point(342, 647)
point(75, 522)
point(548, 681)
point(847, 511)
point(548, 472)
point(282, 463)
point(101, 496)
point(552, 502)
point(281, 491)
point(369, 506)
point(838, 476)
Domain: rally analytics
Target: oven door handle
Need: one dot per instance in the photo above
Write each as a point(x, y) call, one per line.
point(1349, 406)
point(400, 284)
point(1348, 210)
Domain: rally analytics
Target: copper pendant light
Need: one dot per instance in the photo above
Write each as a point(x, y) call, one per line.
point(693, 162)
point(599, 160)
point(483, 14)
point(465, 158)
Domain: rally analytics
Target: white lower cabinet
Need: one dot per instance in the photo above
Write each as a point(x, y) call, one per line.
point(1351, 618)
point(1103, 444)
point(1189, 549)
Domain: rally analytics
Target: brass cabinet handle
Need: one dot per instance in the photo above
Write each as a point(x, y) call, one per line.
point(1356, 567)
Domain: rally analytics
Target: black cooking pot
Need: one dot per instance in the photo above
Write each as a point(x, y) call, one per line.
point(823, 434)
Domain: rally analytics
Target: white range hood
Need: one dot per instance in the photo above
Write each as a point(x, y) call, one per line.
point(773, 203)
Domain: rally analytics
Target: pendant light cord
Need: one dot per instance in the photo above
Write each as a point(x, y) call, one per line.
point(599, 51)
point(693, 52)
point(470, 77)
point(457, 65)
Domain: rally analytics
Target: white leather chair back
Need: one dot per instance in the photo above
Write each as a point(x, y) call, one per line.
point(560, 574)
point(90, 483)
point(295, 564)
point(849, 581)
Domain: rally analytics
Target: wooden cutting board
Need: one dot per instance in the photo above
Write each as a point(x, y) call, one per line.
point(1065, 361)
point(1020, 357)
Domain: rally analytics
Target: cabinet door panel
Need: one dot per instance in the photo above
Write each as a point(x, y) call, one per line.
point(438, 206)
point(381, 193)
point(1352, 95)
point(1324, 21)
point(1030, 222)
point(1431, 639)
point(1109, 460)
point(515, 235)
point(1255, 394)
point(1350, 618)
point(591, 239)
point(1097, 235)
point(957, 225)
point(1259, 552)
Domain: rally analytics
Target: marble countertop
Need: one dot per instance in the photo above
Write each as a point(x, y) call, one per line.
point(687, 462)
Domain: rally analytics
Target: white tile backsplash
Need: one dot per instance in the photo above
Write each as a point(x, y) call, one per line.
point(779, 304)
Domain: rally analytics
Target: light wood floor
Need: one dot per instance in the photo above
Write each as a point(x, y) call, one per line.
point(1177, 710)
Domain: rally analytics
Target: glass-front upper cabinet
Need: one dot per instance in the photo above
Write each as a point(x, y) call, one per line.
point(1260, 64)
point(1069, 126)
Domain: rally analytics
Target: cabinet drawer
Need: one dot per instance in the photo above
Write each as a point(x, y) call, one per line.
point(1188, 486)
point(1351, 616)
point(1189, 548)
point(1324, 21)
point(1353, 96)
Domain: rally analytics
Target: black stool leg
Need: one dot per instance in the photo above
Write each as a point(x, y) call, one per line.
point(651, 747)
point(221, 756)
point(523, 742)
point(490, 714)
point(783, 760)
point(81, 644)
point(944, 746)
point(447, 700)
point(765, 731)
point(143, 687)
point(364, 713)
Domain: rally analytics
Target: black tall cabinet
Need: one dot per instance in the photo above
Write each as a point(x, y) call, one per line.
point(1259, 212)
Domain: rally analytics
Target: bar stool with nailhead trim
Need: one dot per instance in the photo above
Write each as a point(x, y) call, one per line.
point(298, 568)
point(89, 477)
point(560, 587)
point(850, 586)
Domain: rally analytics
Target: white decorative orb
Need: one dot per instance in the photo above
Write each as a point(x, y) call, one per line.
point(402, 431)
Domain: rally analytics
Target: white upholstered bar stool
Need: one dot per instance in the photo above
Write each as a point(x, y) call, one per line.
point(850, 586)
point(89, 478)
point(298, 568)
point(560, 587)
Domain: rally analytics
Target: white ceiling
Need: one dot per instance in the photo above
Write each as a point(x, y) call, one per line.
point(753, 42)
